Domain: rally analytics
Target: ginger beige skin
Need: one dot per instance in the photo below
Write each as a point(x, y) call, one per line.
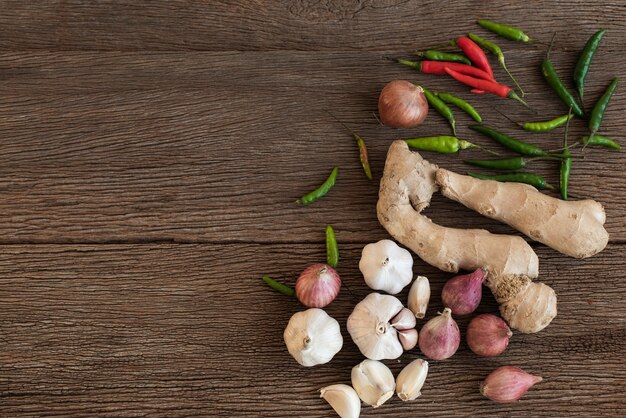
point(406, 189)
point(574, 228)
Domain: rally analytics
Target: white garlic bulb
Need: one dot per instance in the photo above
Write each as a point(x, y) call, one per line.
point(313, 337)
point(370, 327)
point(343, 399)
point(411, 379)
point(386, 266)
point(419, 295)
point(373, 382)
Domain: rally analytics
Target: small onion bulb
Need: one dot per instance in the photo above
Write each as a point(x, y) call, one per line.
point(318, 285)
point(402, 104)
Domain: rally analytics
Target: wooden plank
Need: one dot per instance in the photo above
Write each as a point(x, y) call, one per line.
point(296, 25)
point(179, 330)
point(206, 147)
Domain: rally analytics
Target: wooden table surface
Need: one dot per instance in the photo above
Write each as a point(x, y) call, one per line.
point(150, 156)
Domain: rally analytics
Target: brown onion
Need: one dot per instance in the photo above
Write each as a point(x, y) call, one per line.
point(318, 285)
point(440, 337)
point(402, 104)
point(488, 335)
point(507, 384)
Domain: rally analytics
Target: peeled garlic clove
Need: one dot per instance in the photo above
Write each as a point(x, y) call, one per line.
point(373, 382)
point(419, 295)
point(386, 266)
point(507, 384)
point(370, 329)
point(343, 399)
point(403, 320)
point(313, 337)
point(411, 379)
point(408, 338)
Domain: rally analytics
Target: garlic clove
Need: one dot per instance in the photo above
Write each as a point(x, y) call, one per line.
point(373, 382)
point(507, 384)
point(411, 379)
point(313, 337)
point(408, 338)
point(403, 320)
point(419, 295)
point(370, 329)
point(343, 399)
point(386, 266)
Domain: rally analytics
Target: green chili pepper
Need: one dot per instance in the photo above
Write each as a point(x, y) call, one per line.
point(363, 155)
point(547, 125)
point(510, 143)
point(595, 119)
point(551, 76)
point(442, 56)
point(566, 165)
point(461, 104)
point(416, 65)
point(497, 51)
point(279, 287)
point(320, 191)
point(582, 67)
point(600, 141)
point(362, 148)
point(508, 32)
point(442, 108)
point(332, 250)
point(442, 144)
point(514, 163)
point(522, 177)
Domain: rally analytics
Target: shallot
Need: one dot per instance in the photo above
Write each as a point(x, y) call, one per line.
point(488, 335)
point(462, 294)
point(440, 337)
point(318, 285)
point(507, 384)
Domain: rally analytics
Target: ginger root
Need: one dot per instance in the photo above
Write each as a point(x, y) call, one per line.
point(406, 189)
point(574, 228)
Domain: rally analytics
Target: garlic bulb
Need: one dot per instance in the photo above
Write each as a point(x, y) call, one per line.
point(343, 400)
point(373, 382)
point(370, 327)
point(419, 295)
point(411, 379)
point(312, 337)
point(386, 266)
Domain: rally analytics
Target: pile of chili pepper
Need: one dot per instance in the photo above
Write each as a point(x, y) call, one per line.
point(473, 69)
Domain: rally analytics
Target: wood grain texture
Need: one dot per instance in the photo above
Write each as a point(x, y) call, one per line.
point(307, 25)
point(164, 330)
point(176, 147)
point(151, 154)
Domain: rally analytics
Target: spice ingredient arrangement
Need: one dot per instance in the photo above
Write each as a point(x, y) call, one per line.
point(380, 325)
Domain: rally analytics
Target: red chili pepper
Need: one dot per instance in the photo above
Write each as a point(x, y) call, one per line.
point(475, 54)
point(485, 85)
point(477, 83)
point(439, 67)
point(477, 91)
